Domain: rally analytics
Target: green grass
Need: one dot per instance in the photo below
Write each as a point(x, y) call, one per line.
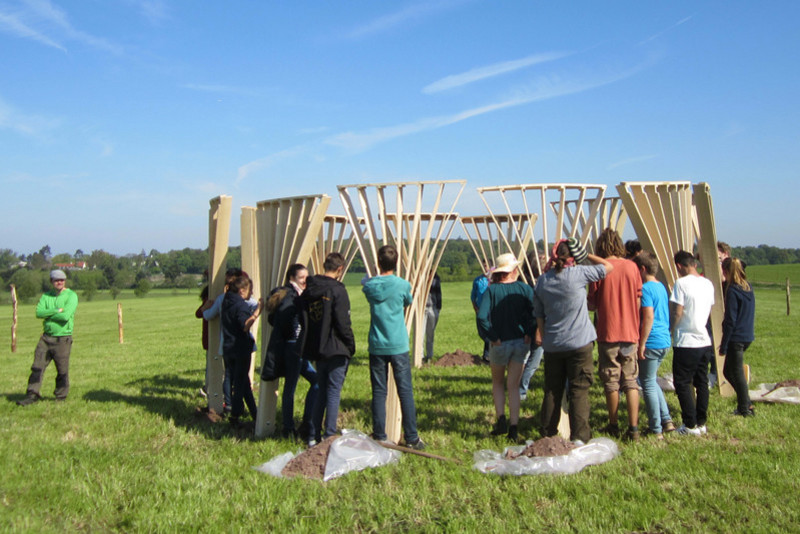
point(775, 274)
point(126, 452)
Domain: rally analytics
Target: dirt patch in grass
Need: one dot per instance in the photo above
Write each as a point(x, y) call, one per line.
point(459, 358)
point(207, 414)
point(311, 462)
point(552, 446)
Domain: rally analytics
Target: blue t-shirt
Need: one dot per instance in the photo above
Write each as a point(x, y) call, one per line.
point(654, 295)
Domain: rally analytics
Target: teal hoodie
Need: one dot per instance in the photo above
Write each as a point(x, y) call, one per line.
point(388, 295)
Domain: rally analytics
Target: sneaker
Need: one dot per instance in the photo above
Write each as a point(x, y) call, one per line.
point(27, 401)
point(311, 442)
point(612, 429)
point(690, 431)
point(750, 412)
point(202, 392)
point(500, 427)
point(703, 430)
point(669, 426)
point(658, 436)
point(417, 445)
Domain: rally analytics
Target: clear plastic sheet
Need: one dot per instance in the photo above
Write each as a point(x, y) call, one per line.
point(597, 451)
point(768, 393)
point(353, 451)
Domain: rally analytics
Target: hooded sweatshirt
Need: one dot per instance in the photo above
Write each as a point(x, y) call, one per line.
point(326, 328)
point(740, 310)
point(388, 295)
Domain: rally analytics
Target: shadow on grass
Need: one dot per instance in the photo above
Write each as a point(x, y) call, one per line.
point(165, 395)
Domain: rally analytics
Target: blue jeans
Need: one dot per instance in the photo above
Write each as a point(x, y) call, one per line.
point(531, 365)
point(654, 401)
point(379, 374)
point(330, 375)
point(295, 368)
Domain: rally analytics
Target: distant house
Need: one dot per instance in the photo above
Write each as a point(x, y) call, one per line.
point(76, 266)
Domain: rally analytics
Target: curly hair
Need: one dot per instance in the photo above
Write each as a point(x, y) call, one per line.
point(609, 244)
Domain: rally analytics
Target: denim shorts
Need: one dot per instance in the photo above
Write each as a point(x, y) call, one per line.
point(515, 350)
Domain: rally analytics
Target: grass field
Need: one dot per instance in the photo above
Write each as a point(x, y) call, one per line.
point(126, 452)
point(775, 274)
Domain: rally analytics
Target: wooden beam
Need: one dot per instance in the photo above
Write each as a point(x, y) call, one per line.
point(219, 221)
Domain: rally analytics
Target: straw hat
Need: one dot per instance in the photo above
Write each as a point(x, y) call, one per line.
point(505, 263)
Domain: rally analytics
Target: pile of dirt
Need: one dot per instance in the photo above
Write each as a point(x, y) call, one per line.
point(553, 446)
point(311, 462)
point(788, 384)
point(459, 358)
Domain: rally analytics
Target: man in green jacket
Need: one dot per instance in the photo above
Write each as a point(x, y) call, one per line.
point(57, 308)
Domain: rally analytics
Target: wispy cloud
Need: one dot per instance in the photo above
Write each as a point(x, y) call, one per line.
point(409, 14)
point(24, 123)
point(219, 88)
point(628, 161)
point(489, 71)
point(12, 24)
point(38, 20)
point(262, 163)
point(544, 88)
point(155, 11)
point(662, 32)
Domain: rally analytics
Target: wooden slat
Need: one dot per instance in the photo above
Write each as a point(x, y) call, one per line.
point(219, 221)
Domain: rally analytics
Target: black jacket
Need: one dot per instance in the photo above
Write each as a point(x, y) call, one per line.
point(326, 319)
point(283, 315)
point(236, 341)
point(738, 324)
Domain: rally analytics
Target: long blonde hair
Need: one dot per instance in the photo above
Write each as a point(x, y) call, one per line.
point(734, 274)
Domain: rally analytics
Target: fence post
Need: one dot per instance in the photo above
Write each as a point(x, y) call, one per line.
point(788, 292)
point(119, 320)
point(14, 318)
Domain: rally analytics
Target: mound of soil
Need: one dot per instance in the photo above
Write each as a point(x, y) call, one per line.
point(311, 462)
point(459, 358)
point(788, 384)
point(552, 446)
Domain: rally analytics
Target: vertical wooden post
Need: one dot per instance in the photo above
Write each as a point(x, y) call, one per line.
point(219, 221)
point(14, 318)
point(119, 322)
point(250, 266)
point(788, 292)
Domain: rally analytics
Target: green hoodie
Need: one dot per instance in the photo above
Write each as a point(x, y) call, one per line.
point(57, 323)
point(387, 295)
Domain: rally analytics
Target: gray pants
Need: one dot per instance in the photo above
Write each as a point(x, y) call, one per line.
point(56, 349)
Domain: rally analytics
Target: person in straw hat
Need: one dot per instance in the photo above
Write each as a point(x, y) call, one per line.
point(505, 318)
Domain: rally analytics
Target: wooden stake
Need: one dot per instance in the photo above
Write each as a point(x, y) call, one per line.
point(119, 322)
point(409, 450)
point(14, 317)
point(788, 292)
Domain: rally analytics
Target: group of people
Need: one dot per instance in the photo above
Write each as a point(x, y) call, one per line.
point(546, 316)
point(310, 319)
point(636, 322)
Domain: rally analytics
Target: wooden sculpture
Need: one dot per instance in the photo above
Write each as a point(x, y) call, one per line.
point(219, 222)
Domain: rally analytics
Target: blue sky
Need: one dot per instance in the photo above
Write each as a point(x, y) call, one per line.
point(120, 119)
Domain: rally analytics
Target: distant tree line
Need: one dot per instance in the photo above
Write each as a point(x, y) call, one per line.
point(184, 268)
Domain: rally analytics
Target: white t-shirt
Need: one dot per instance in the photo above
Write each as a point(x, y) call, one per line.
point(696, 295)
